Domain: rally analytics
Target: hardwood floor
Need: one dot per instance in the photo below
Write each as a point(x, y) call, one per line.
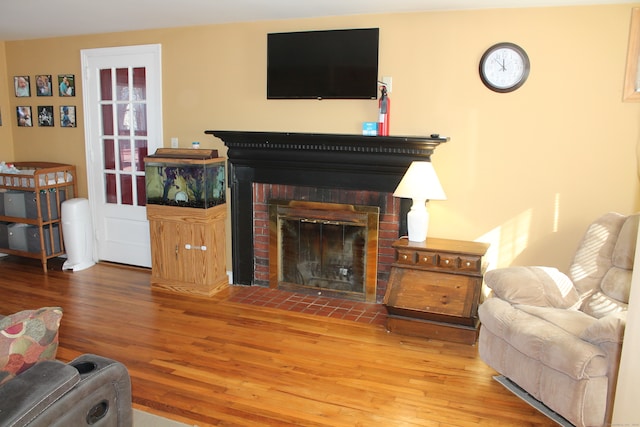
point(209, 361)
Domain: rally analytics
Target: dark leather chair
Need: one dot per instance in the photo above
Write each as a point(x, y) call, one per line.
point(90, 390)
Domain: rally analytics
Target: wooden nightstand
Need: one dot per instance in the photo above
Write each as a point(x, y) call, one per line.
point(434, 289)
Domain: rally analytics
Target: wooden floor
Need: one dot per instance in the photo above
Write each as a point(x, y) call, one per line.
point(208, 361)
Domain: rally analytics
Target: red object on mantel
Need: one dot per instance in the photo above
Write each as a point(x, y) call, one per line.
point(384, 111)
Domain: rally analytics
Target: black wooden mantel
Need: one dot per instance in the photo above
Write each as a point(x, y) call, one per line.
point(351, 162)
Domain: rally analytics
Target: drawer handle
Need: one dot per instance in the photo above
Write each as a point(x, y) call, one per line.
point(425, 259)
point(404, 257)
point(468, 264)
point(446, 261)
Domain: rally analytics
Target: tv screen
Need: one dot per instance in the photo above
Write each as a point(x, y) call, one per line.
point(336, 64)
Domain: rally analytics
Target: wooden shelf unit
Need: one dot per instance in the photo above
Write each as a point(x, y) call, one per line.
point(45, 186)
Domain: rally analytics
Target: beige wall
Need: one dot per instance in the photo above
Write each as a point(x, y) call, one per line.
point(7, 115)
point(526, 171)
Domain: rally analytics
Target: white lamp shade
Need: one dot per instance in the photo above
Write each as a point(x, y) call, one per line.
point(420, 182)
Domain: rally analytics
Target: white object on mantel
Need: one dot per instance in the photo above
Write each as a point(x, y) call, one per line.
point(420, 183)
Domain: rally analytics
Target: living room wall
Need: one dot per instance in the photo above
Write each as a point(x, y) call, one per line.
point(525, 171)
point(6, 145)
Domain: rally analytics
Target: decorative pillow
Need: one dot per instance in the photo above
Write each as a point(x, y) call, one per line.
point(538, 286)
point(26, 338)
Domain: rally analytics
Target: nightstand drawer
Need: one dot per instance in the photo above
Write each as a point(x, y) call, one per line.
point(431, 295)
point(407, 257)
point(448, 261)
point(427, 259)
point(471, 264)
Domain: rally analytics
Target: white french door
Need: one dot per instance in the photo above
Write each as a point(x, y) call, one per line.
point(123, 123)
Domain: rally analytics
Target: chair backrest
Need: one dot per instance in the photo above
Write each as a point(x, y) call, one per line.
point(603, 264)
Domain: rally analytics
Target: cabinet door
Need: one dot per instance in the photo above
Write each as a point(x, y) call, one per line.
point(165, 249)
point(188, 252)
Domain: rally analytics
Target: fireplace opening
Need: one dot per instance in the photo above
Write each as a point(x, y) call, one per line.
point(329, 249)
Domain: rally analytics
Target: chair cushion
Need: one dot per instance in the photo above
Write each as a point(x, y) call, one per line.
point(28, 337)
point(539, 286)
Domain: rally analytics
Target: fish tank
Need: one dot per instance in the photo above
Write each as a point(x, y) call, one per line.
point(190, 178)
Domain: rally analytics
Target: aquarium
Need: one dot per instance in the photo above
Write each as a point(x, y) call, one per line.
point(190, 178)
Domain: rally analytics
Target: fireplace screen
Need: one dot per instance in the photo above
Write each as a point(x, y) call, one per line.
point(324, 248)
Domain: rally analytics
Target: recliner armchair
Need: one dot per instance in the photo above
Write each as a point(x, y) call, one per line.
point(90, 390)
point(558, 336)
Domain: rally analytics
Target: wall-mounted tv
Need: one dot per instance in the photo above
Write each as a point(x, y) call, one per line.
point(330, 64)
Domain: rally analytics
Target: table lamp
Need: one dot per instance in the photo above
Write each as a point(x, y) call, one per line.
point(420, 183)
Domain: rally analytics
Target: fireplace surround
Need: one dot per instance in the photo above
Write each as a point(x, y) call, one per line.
point(311, 160)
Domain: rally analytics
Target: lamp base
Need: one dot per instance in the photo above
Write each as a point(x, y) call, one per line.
point(418, 221)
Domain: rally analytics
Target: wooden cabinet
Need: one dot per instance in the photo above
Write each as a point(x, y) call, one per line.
point(31, 196)
point(188, 249)
point(434, 289)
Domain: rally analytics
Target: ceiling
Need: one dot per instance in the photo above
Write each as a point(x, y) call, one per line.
point(32, 19)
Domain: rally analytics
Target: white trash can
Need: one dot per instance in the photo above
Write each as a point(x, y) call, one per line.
point(78, 234)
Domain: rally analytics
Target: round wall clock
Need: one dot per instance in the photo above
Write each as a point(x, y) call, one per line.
point(504, 67)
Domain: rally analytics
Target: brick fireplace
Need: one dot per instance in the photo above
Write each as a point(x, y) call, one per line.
point(319, 168)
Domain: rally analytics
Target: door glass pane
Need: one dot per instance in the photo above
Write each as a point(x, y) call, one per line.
point(142, 190)
point(123, 119)
point(124, 146)
point(126, 190)
point(140, 119)
point(105, 85)
point(140, 84)
point(122, 83)
point(107, 119)
point(111, 190)
point(141, 153)
point(109, 154)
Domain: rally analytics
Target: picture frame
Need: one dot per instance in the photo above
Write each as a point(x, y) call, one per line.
point(24, 116)
point(43, 85)
point(68, 116)
point(631, 92)
point(22, 86)
point(45, 115)
point(66, 85)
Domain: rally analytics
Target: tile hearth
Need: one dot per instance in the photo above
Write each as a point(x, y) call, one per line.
point(336, 308)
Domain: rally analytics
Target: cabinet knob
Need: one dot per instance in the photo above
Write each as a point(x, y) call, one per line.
point(446, 261)
point(404, 256)
point(468, 264)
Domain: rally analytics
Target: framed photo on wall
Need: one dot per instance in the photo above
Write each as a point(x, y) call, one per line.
point(66, 85)
point(22, 86)
point(24, 116)
point(45, 115)
point(68, 116)
point(43, 85)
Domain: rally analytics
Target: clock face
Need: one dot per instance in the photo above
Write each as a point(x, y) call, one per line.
point(504, 67)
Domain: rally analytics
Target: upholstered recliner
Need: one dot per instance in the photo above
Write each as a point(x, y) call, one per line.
point(38, 390)
point(559, 336)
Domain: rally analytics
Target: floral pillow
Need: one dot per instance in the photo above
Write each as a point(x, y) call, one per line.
point(26, 338)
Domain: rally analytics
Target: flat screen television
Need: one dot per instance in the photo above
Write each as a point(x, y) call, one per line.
point(330, 64)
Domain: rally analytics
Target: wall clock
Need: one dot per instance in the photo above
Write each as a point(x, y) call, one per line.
point(504, 67)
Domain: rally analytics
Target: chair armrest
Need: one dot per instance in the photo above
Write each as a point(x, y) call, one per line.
point(606, 330)
point(538, 286)
point(29, 394)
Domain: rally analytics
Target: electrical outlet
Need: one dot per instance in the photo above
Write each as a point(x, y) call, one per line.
point(389, 82)
point(174, 142)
